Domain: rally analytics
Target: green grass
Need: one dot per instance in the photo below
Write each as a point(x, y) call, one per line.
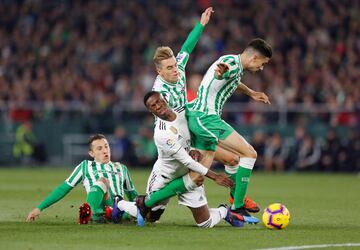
point(325, 209)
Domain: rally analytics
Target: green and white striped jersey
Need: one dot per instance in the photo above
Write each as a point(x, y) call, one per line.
point(213, 92)
point(174, 93)
point(88, 172)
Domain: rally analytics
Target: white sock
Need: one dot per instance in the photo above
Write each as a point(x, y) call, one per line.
point(129, 207)
point(216, 214)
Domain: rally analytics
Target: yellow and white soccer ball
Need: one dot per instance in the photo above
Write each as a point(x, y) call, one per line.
point(276, 216)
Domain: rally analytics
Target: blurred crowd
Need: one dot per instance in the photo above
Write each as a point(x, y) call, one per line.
point(98, 55)
point(301, 152)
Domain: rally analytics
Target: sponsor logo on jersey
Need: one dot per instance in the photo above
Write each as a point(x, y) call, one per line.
point(179, 57)
point(173, 129)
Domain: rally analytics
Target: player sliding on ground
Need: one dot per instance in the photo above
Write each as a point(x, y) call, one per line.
point(171, 172)
point(102, 179)
point(207, 128)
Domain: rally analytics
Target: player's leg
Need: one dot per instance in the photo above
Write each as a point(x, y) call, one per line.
point(237, 144)
point(94, 202)
point(176, 186)
point(204, 217)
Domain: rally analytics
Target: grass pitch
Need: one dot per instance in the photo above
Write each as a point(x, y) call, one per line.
point(325, 209)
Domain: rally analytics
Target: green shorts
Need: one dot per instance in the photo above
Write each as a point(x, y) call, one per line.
point(207, 130)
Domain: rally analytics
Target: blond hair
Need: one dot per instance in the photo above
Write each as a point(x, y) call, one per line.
point(162, 53)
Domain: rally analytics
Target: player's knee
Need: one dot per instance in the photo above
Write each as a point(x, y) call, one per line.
point(233, 160)
point(251, 153)
point(103, 183)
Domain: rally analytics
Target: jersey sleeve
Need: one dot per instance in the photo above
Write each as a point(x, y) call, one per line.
point(172, 147)
point(57, 194)
point(188, 46)
point(129, 186)
point(77, 175)
point(233, 67)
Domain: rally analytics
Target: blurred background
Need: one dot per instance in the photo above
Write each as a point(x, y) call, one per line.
point(69, 69)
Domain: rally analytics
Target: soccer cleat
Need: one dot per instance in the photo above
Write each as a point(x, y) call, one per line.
point(142, 210)
point(116, 212)
point(249, 204)
point(243, 213)
point(84, 213)
point(233, 219)
point(107, 213)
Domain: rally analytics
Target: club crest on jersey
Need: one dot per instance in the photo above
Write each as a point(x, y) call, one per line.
point(174, 130)
point(170, 142)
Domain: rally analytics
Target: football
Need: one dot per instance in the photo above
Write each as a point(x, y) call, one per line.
point(276, 216)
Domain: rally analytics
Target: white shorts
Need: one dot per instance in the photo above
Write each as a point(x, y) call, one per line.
point(194, 198)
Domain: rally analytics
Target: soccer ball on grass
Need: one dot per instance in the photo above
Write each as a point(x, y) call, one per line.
point(276, 216)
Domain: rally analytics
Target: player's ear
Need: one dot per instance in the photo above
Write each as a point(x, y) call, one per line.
point(91, 153)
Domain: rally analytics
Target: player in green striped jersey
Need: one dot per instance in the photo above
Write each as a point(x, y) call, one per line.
point(208, 130)
point(171, 79)
point(101, 178)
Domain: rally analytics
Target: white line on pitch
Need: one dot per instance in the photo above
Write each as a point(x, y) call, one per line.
point(313, 246)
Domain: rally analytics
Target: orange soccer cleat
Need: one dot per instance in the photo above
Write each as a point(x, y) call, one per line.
point(249, 204)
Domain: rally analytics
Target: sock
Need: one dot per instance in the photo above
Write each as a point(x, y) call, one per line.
point(231, 172)
point(177, 186)
point(216, 214)
point(128, 206)
point(242, 180)
point(94, 198)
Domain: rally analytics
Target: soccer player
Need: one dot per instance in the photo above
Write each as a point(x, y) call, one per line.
point(207, 128)
point(102, 179)
point(171, 171)
point(171, 83)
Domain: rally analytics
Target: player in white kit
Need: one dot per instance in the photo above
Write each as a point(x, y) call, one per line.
point(171, 171)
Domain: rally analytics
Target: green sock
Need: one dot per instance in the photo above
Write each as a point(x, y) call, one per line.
point(242, 181)
point(95, 198)
point(233, 178)
point(174, 187)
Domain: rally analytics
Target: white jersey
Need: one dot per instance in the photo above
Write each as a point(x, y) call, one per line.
point(172, 140)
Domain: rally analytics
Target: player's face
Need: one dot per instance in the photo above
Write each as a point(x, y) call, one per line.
point(168, 70)
point(100, 151)
point(257, 63)
point(158, 106)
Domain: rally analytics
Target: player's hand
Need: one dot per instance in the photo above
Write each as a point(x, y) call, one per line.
point(223, 180)
point(205, 16)
point(33, 214)
point(221, 69)
point(195, 154)
point(260, 97)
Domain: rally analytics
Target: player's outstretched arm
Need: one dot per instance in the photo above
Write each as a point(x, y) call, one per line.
point(256, 96)
point(193, 38)
point(33, 215)
point(205, 16)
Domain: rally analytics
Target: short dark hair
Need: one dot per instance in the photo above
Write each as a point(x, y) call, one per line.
point(261, 46)
point(148, 95)
point(94, 138)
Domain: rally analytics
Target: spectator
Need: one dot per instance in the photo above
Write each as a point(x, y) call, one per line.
point(275, 154)
point(308, 155)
